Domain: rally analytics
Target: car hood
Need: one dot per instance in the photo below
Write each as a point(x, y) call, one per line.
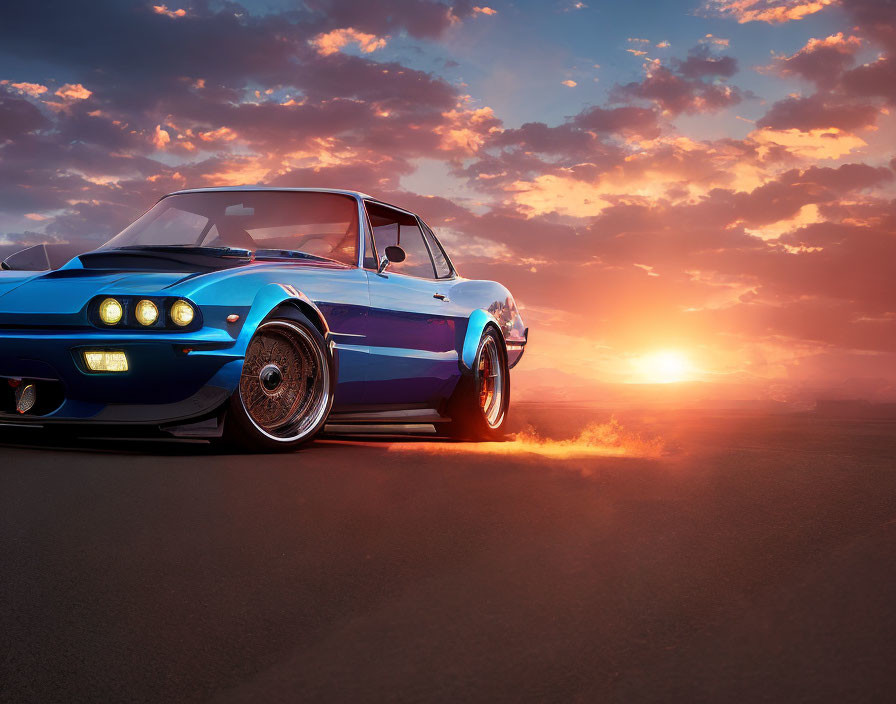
point(67, 291)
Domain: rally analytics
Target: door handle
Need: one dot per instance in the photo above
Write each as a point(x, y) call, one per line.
point(441, 297)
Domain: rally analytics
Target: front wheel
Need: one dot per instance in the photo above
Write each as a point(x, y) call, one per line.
point(479, 405)
point(285, 390)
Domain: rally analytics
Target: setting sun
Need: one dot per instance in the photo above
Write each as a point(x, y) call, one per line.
point(663, 367)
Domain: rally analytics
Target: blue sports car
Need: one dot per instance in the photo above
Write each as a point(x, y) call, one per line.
point(255, 316)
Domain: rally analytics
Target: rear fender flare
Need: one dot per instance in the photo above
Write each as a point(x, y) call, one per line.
point(479, 320)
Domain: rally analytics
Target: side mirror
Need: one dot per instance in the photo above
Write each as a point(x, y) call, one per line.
point(393, 254)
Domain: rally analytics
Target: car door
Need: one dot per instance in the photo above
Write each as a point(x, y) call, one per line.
point(411, 332)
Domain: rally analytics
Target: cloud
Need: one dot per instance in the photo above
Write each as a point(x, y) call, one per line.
point(222, 134)
point(819, 111)
point(35, 90)
point(875, 19)
point(822, 143)
point(484, 11)
point(711, 39)
point(569, 83)
point(874, 80)
point(677, 92)
point(73, 91)
point(18, 117)
point(163, 10)
point(465, 129)
point(701, 63)
point(771, 11)
point(624, 120)
point(160, 138)
point(335, 40)
point(423, 19)
point(821, 61)
point(550, 193)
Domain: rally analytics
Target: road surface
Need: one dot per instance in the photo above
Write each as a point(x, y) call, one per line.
point(750, 559)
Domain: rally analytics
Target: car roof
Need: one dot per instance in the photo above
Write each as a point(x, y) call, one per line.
point(340, 191)
point(354, 194)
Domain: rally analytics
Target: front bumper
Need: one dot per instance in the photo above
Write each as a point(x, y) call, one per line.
point(170, 377)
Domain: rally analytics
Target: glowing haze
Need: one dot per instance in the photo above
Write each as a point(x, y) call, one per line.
point(700, 191)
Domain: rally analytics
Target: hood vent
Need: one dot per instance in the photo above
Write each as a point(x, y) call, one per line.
point(136, 260)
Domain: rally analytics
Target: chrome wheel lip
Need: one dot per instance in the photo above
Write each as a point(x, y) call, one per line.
point(311, 421)
point(493, 408)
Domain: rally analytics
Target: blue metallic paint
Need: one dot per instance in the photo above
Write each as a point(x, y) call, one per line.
point(393, 342)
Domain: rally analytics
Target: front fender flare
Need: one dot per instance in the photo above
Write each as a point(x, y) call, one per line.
point(269, 298)
point(479, 320)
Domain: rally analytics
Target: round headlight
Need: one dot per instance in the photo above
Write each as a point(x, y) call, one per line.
point(181, 313)
point(146, 312)
point(110, 311)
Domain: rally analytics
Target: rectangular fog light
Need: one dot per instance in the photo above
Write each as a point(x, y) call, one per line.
point(106, 361)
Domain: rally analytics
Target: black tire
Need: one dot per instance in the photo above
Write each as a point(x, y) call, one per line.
point(478, 407)
point(286, 388)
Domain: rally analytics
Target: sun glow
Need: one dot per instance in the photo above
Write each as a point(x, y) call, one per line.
point(663, 367)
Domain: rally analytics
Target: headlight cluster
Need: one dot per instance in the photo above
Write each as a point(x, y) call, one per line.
point(134, 312)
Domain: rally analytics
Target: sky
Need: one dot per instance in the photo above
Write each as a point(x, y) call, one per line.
point(695, 190)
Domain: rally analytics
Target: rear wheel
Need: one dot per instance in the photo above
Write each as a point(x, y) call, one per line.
point(479, 405)
point(285, 390)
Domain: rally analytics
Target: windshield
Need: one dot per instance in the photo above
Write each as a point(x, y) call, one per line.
point(269, 223)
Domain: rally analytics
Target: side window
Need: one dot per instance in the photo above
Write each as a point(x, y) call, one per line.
point(439, 260)
point(392, 227)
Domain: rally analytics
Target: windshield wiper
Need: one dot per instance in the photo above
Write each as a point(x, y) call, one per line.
point(289, 254)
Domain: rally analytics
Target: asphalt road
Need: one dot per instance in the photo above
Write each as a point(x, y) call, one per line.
point(753, 561)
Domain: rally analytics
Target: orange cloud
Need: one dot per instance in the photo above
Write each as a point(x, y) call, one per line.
point(33, 89)
point(835, 41)
point(163, 10)
point(550, 193)
point(245, 171)
point(569, 83)
point(830, 143)
point(334, 41)
point(160, 137)
point(222, 134)
point(73, 91)
point(70, 93)
point(466, 130)
point(712, 39)
point(484, 11)
point(771, 11)
point(807, 215)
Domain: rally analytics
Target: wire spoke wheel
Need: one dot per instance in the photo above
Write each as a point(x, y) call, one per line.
point(490, 379)
point(285, 382)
